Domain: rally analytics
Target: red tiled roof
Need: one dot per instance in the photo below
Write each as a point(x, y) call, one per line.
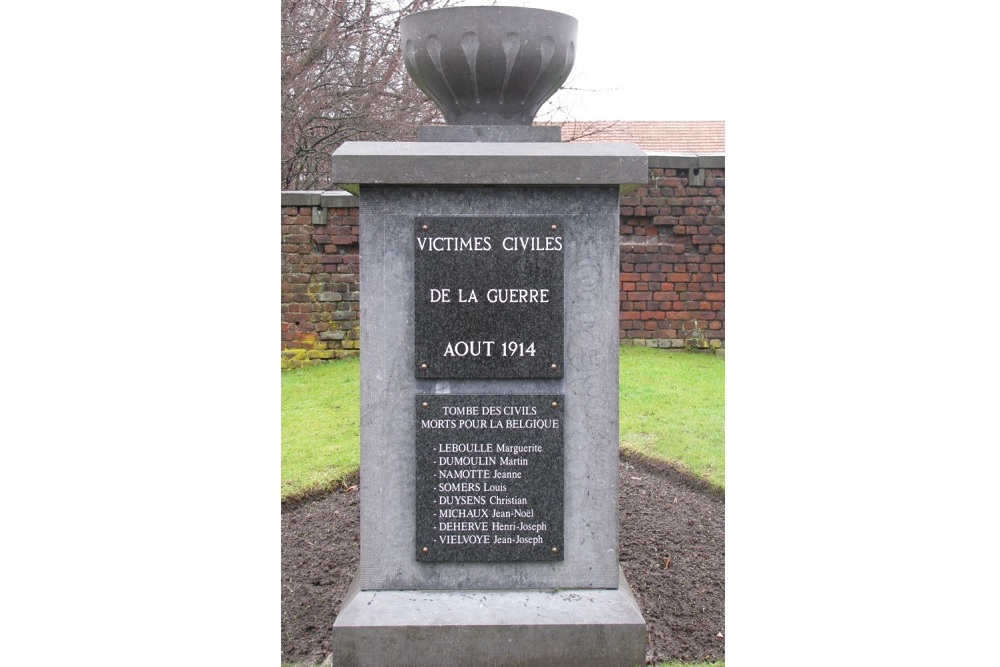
point(672, 136)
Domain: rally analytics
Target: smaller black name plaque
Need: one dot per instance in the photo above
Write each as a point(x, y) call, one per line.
point(489, 477)
point(488, 297)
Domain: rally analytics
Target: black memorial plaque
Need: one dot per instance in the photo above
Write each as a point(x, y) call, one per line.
point(488, 297)
point(489, 478)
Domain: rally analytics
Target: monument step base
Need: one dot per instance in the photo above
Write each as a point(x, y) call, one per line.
point(509, 628)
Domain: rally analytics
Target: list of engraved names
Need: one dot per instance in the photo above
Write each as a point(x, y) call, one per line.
point(489, 477)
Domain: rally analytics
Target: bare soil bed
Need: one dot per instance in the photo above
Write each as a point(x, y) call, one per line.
point(672, 548)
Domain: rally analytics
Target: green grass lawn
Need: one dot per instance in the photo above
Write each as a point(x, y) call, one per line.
point(672, 407)
point(320, 426)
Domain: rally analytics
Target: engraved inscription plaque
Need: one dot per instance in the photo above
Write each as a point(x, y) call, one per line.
point(489, 478)
point(488, 297)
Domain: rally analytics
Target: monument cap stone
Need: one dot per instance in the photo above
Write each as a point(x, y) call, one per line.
point(461, 163)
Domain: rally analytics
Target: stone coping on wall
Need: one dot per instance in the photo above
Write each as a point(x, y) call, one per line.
point(323, 199)
point(344, 199)
point(686, 161)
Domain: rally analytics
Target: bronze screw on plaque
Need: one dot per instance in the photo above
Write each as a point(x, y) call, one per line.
point(423, 367)
point(553, 366)
point(425, 549)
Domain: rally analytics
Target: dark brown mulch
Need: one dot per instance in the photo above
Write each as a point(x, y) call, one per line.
point(672, 548)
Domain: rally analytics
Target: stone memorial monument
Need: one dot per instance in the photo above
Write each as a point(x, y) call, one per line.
point(489, 365)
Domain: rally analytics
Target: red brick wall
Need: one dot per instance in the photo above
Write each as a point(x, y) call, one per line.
point(319, 278)
point(673, 275)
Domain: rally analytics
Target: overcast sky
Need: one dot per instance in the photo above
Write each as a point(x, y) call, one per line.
point(666, 61)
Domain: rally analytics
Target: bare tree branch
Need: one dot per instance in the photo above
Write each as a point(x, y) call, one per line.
point(342, 78)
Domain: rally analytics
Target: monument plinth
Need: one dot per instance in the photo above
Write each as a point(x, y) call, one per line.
point(489, 373)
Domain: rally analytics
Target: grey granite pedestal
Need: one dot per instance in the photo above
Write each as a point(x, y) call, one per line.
point(570, 605)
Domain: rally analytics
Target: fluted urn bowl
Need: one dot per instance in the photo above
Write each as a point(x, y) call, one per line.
point(488, 65)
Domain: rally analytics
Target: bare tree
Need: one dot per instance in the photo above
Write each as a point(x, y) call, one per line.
point(342, 79)
point(563, 106)
point(583, 130)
